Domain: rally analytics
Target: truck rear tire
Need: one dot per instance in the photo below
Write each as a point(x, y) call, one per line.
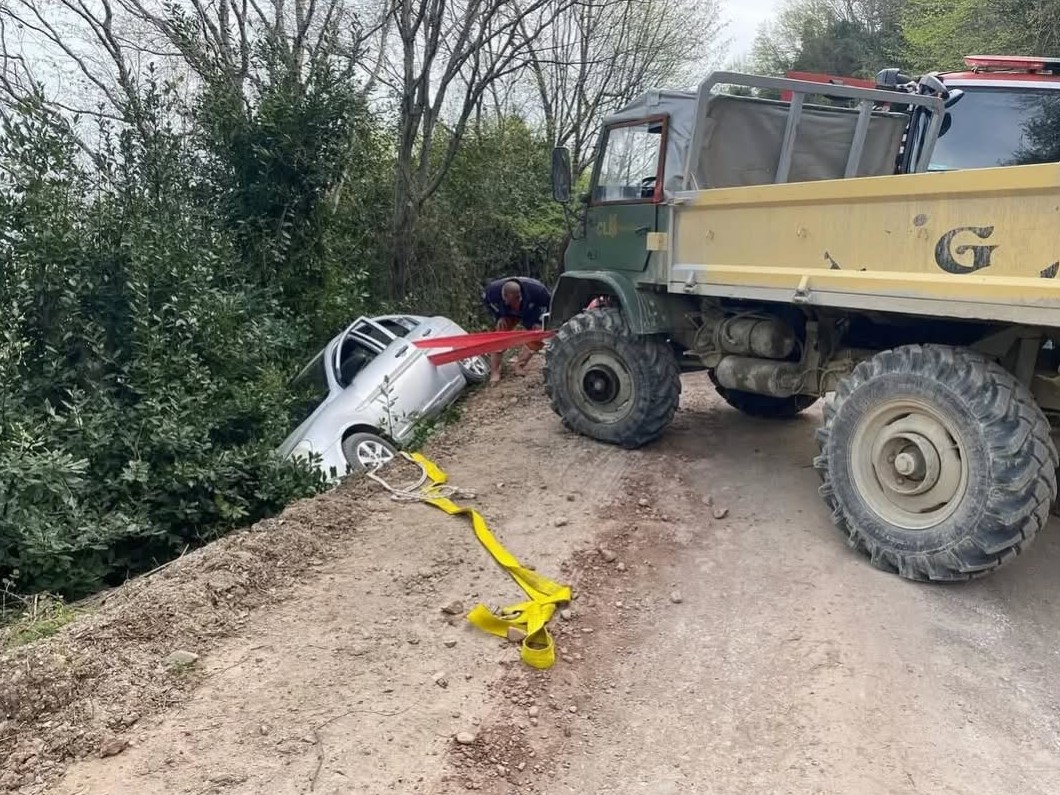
point(936, 462)
point(763, 406)
point(609, 384)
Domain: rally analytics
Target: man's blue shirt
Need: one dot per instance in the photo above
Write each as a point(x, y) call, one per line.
point(535, 300)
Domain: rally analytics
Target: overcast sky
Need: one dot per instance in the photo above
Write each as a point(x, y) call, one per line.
point(744, 18)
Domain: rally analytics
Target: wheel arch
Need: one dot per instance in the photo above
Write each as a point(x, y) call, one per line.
point(646, 312)
point(365, 428)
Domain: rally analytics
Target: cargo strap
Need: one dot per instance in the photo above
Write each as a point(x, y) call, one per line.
point(530, 617)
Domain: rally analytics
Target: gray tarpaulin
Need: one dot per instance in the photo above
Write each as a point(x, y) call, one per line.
point(742, 138)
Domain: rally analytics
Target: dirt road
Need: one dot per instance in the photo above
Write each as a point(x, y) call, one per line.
point(724, 641)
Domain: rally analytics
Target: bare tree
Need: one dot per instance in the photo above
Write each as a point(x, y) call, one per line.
point(447, 56)
point(88, 57)
point(598, 55)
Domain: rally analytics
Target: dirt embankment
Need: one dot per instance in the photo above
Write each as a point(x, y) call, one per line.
point(330, 610)
point(722, 639)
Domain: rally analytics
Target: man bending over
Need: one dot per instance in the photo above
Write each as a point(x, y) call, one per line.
point(512, 302)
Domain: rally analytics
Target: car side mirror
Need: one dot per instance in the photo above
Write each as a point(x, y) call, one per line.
point(954, 97)
point(561, 174)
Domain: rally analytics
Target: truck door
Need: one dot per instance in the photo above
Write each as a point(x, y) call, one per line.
point(627, 189)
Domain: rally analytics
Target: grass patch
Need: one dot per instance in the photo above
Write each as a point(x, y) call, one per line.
point(425, 429)
point(33, 618)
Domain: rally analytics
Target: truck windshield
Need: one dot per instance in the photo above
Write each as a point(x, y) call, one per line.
point(990, 127)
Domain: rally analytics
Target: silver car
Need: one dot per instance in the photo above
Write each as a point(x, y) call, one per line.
point(370, 387)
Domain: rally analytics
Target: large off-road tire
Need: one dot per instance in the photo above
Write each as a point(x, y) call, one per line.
point(763, 406)
point(609, 384)
point(937, 462)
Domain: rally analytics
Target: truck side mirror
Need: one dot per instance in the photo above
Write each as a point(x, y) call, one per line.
point(561, 175)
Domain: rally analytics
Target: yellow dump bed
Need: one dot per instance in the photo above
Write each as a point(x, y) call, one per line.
point(981, 244)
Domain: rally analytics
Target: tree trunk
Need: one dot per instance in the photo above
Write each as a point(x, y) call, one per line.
point(406, 216)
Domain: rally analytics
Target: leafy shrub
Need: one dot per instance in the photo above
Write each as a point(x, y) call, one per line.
point(143, 372)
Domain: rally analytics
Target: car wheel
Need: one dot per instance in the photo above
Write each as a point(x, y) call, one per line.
point(366, 452)
point(476, 369)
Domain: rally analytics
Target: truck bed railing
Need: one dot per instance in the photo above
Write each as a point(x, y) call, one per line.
point(866, 98)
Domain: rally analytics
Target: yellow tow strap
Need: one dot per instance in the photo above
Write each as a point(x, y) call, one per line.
point(532, 616)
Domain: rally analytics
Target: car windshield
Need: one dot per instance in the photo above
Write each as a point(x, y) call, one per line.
point(990, 127)
point(309, 388)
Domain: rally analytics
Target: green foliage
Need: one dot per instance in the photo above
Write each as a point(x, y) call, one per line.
point(856, 38)
point(27, 620)
point(160, 294)
point(298, 177)
point(142, 369)
point(493, 216)
point(860, 37)
point(941, 32)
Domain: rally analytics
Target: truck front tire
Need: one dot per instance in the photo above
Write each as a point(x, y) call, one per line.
point(936, 462)
point(609, 384)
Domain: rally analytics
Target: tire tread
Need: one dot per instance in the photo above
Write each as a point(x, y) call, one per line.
point(1022, 466)
point(655, 365)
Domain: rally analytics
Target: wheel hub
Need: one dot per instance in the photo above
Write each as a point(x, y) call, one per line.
point(476, 365)
point(909, 465)
point(373, 455)
point(604, 386)
point(600, 384)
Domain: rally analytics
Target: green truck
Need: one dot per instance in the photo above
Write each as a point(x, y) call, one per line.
point(883, 248)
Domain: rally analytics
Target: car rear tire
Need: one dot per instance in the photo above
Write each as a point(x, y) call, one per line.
point(476, 369)
point(367, 452)
point(937, 462)
point(608, 383)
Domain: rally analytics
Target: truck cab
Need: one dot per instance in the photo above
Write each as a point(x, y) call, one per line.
point(1008, 114)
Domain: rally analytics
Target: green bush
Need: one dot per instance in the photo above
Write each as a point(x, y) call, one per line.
point(160, 294)
point(493, 216)
point(143, 372)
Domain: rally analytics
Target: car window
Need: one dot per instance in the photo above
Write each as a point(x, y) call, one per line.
point(372, 330)
point(309, 389)
point(396, 327)
point(354, 357)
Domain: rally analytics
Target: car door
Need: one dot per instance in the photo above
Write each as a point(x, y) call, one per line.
point(403, 382)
